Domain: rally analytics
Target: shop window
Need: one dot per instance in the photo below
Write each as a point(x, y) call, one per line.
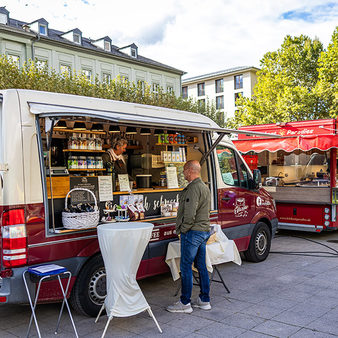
point(201, 89)
point(227, 165)
point(219, 86)
point(238, 81)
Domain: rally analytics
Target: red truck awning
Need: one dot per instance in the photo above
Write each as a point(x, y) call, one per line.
point(289, 144)
point(302, 135)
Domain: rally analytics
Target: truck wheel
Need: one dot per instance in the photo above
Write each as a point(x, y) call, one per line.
point(260, 243)
point(89, 290)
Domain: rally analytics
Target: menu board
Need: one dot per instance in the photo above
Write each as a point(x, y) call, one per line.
point(82, 196)
point(124, 182)
point(171, 177)
point(105, 188)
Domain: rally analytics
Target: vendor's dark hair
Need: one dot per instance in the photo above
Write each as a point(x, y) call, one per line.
point(120, 141)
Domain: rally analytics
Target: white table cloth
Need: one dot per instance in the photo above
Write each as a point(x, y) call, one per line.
point(222, 251)
point(122, 246)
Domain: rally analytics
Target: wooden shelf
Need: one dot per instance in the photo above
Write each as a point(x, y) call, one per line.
point(107, 146)
point(86, 169)
point(173, 144)
point(82, 151)
point(170, 162)
point(80, 131)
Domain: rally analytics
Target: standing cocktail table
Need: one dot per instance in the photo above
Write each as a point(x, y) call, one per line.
point(122, 246)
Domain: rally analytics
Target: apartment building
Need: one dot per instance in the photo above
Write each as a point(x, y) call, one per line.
point(71, 51)
point(222, 87)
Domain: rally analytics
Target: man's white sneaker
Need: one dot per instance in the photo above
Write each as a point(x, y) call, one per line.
point(202, 305)
point(180, 307)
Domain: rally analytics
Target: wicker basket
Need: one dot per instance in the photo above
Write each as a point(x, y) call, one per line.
point(80, 220)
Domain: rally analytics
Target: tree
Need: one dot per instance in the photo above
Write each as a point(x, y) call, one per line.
point(327, 86)
point(285, 89)
point(32, 76)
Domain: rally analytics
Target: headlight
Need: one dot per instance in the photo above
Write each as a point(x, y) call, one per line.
point(326, 223)
point(327, 217)
point(326, 210)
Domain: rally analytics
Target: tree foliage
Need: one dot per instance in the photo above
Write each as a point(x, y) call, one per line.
point(296, 82)
point(33, 76)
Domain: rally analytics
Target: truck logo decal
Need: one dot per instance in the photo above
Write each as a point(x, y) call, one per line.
point(241, 209)
point(260, 202)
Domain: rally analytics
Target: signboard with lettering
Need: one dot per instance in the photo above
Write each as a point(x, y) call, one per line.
point(90, 183)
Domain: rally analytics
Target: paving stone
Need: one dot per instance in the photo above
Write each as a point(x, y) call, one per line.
point(324, 324)
point(190, 323)
point(252, 334)
point(262, 311)
point(243, 321)
point(306, 333)
point(276, 329)
point(220, 330)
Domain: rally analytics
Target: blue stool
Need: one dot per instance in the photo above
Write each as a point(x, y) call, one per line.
point(41, 273)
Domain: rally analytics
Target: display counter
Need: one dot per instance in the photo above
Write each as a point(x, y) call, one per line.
point(295, 194)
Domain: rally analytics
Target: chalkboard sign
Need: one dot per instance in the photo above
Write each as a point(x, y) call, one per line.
point(152, 201)
point(90, 183)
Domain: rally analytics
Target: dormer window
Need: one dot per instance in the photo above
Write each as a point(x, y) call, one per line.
point(107, 46)
point(38, 26)
point(3, 19)
point(75, 35)
point(77, 38)
point(133, 52)
point(4, 16)
point(43, 29)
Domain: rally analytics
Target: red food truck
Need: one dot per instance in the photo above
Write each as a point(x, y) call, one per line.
point(299, 170)
point(52, 144)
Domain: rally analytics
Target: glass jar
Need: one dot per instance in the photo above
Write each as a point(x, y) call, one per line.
point(98, 162)
point(91, 163)
point(82, 162)
point(98, 144)
point(91, 143)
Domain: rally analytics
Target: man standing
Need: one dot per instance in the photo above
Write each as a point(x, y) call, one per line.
point(193, 225)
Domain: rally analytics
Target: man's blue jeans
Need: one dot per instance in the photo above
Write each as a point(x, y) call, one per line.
point(193, 248)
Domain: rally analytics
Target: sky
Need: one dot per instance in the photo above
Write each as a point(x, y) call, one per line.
point(195, 36)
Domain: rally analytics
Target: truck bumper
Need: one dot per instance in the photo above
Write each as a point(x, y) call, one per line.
point(301, 227)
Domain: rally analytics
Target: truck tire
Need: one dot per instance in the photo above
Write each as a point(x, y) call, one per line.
point(89, 290)
point(260, 243)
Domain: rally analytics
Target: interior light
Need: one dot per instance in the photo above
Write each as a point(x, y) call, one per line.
point(61, 125)
point(131, 131)
point(145, 131)
point(114, 129)
point(79, 126)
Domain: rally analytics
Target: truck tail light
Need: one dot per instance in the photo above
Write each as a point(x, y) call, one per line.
point(14, 238)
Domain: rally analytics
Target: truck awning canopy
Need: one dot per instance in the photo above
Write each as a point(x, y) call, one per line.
point(139, 115)
point(302, 135)
point(289, 144)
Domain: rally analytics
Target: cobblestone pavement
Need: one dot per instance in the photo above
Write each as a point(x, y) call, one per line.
point(285, 296)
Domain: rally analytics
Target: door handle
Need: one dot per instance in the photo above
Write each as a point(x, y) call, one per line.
point(226, 198)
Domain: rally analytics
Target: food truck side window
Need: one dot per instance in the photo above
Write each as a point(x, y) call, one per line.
point(227, 164)
point(243, 174)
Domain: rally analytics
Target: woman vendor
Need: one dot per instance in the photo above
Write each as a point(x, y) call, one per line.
point(114, 155)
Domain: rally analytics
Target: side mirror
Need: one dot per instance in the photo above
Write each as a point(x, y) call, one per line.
point(257, 179)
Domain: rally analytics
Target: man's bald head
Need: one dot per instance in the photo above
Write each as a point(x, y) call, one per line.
point(192, 170)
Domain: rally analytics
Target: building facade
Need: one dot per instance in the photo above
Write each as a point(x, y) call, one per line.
point(222, 88)
point(70, 51)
